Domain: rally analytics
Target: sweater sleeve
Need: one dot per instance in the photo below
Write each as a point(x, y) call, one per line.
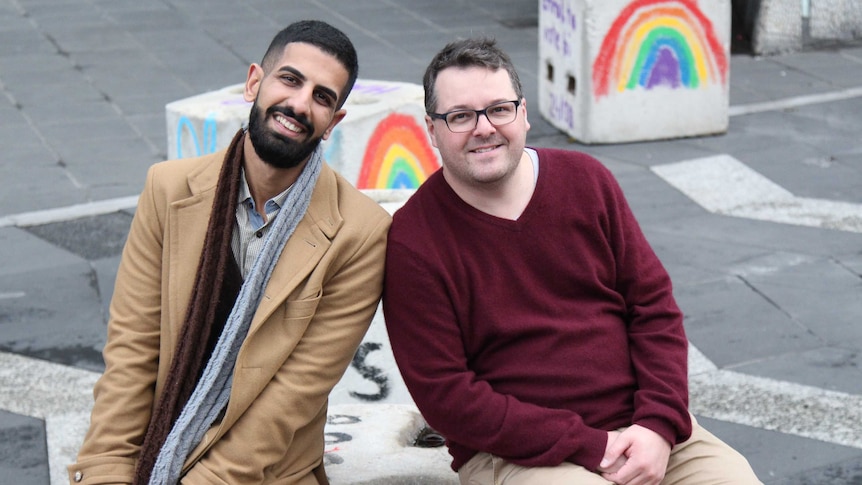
point(427, 344)
point(657, 341)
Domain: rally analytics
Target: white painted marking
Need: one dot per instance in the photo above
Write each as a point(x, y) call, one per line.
point(723, 185)
point(391, 200)
point(794, 102)
point(786, 407)
point(12, 294)
point(62, 396)
point(69, 213)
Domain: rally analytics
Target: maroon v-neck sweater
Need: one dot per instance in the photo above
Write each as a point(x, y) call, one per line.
point(529, 339)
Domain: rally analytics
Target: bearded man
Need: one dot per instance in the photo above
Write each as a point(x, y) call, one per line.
point(247, 282)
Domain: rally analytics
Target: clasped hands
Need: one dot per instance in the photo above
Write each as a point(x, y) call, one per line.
point(635, 456)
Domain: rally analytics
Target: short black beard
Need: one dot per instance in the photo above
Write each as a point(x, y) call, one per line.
point(273, 148)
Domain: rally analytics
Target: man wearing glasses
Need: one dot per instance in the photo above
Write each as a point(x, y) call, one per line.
point(533, 324)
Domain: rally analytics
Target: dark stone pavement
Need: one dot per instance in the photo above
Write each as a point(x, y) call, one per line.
point(84, 83)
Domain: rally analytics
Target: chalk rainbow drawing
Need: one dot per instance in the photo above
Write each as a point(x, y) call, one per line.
point(659, 43)
point(397, 156)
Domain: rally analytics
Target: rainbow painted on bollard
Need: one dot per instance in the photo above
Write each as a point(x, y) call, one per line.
point(654, 43)
point(398, 155)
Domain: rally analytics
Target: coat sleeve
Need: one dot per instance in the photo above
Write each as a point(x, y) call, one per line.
point(271, 437)
point(125, 391)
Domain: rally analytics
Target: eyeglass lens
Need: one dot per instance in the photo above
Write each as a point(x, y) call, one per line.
point(466, 120)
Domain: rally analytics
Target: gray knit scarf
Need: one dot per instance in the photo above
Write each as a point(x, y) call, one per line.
point(213, 389)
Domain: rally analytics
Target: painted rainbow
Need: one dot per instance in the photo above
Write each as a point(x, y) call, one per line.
point(659, 43)
point(397, 156)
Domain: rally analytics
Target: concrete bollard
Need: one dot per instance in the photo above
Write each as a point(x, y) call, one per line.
point(374, 444)
point(381, 143)
point(615, 71)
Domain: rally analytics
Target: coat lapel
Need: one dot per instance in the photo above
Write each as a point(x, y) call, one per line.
point(305, 248)
point(300, 257)
point(188, 221)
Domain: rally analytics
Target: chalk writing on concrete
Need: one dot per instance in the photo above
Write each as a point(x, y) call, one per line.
point(332, 439)
point(558, 33)
point(561, 11)
point(204, 144)
point(561, 110)
point(370, 373)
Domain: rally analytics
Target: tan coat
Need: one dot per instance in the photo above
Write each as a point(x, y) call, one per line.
point(315, 310)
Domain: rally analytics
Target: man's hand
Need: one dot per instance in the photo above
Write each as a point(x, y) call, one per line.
point(637, 456)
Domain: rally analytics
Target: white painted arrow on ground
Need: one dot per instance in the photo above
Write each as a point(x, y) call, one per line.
point(722, 184)
point(62, 396)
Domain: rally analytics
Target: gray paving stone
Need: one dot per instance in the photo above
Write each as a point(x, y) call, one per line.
point(119, 165)
point(148, 17)
point(846, 472)
point(18, 41)
point(77, 60)
point(94, 129)
point(774, 80)
point(10, 116)
point(780, 459)
point(649, 153)
point(103, 37)
point(152, 127)
point(650, 199)
point(23, 452)
point(53, 88)
point(820, 295)
point(18, 245)
point(43, 185)
point(91, 238)
point(835, 368)
point(106, 276)
point(57, 316)
point(828, 66)
point(732, 324)
point(747, 237)
point(57, 114)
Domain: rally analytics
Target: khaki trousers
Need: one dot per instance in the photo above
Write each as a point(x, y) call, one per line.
point(701, 460)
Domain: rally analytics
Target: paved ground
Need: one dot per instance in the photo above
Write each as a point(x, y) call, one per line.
point(763, 239)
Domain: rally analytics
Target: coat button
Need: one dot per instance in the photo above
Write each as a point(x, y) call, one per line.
point(79, 476)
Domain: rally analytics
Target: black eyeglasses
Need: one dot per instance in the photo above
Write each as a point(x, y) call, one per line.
point(464, 120)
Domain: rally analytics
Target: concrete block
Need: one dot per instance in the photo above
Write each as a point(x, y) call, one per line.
point(836, 19)
point(381, 143)
point(632, 70)
point(778, 27)
point(374, 444)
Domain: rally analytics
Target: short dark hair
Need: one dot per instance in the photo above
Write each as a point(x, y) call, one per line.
point(323, 36)
point(472, 52)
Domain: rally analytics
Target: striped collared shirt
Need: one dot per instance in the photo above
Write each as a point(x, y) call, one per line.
point(250, 230)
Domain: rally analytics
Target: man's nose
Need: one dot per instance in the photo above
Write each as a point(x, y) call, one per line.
point(301, 101)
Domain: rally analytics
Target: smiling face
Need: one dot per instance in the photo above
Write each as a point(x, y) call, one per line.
point(487, 156)
point(295, 103)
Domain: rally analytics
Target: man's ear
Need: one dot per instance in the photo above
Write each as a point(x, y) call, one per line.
point(429, 123)
point(524, 106)
point(336, 118)
point(252, 82)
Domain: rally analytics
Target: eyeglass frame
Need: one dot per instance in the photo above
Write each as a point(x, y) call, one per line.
point(479, 112)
